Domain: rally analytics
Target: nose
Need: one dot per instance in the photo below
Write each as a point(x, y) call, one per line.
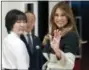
point(22, 24)
point(59, 17)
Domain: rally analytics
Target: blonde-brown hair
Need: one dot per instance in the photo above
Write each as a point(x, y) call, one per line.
point(71, 25)
point(64, 6)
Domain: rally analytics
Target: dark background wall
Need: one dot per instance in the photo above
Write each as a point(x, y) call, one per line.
point(85, 34)
point(81, 9)
point(42, 18)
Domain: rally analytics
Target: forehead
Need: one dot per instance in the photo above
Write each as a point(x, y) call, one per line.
point(30, 15)
point(59, 11)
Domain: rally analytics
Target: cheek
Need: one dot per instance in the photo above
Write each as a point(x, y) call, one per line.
point(28, 25)
point(55, 18)
point(25, 26)
point(65, 20)
point(16, 26)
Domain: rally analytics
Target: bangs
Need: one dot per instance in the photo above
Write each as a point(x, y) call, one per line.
point(21, 17)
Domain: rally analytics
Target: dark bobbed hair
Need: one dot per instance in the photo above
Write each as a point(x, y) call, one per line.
point(12, 16)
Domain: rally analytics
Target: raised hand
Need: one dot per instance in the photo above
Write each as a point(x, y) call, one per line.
point(55, 40)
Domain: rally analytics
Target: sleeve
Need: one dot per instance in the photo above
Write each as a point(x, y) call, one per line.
point(22, 57)
point(71, 47)
point(67, 60)
point(71, 43)
point(47, 50)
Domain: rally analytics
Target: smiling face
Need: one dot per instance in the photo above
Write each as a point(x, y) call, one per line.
point(19, 27)
point(60, 18)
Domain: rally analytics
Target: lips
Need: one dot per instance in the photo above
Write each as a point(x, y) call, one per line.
point(60, 22)
point(60, 25)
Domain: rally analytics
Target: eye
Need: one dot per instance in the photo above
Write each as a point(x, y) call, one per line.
point(63, 15)
point(56, 14)
point(24, 21)
point(18, 21)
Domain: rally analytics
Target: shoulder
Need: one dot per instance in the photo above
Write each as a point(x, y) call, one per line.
point(14, 40)
point(9, 38)
point(71, 35)
point(71, 38)
point(71, 43)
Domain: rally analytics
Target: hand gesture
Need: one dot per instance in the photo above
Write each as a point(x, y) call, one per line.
point(55, 40)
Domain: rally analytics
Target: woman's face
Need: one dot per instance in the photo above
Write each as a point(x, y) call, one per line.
point(19, 27)
point(60, 18)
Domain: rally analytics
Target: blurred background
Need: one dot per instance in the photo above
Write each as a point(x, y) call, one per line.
point(42, 10)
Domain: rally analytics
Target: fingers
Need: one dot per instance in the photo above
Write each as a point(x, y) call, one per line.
point(57, 33)
point(56, 38)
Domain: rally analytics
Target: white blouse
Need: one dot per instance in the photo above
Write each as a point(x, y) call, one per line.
point(14, 53)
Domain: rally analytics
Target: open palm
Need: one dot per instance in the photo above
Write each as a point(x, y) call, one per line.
point(55, 41)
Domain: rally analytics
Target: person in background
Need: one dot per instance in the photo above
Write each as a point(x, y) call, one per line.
point(33, 44)
point(14, 52)
point(61, 44)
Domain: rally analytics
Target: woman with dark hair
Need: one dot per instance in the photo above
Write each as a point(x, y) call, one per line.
point(61, 44)
point(14, 52)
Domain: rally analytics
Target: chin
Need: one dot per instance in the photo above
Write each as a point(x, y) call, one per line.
point(60, 26)
point(21, 32)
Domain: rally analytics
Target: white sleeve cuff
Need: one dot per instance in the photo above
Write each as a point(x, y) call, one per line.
point(67, 60)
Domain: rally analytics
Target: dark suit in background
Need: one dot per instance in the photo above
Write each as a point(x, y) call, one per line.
point(36, 58)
